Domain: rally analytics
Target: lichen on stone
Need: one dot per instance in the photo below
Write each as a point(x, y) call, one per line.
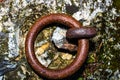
point(17, 16)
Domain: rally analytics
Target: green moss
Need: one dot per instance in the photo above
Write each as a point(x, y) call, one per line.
point(116, 3)
point(3, 46)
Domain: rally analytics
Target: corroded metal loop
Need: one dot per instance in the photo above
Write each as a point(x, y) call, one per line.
point(1, 0)
point(82, 50)
point(83, 32)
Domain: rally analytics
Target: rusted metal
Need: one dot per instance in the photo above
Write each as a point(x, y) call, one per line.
point(82, 50)
point(83, 32)
point(1, 0)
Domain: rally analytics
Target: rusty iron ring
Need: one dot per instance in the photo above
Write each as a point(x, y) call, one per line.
point(83, 32)
point(1, 1)
point(83, 45)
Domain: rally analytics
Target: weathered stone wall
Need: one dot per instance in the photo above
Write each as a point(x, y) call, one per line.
point(17, 16)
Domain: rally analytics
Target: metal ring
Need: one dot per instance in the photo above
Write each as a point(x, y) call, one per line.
point(1, 1)
point(81, 55)
point(83, 32)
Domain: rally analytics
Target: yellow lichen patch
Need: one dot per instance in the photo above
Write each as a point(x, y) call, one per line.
point(63, 60)
point(55, 63)
point(42, 48)
point(66, 56)
point(47, 33)
point(56, 56)
point(24, 69)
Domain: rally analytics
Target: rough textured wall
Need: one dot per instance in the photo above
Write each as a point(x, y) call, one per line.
point(17, 16)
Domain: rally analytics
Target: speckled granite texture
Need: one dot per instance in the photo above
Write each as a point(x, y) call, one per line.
point(17, 16)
